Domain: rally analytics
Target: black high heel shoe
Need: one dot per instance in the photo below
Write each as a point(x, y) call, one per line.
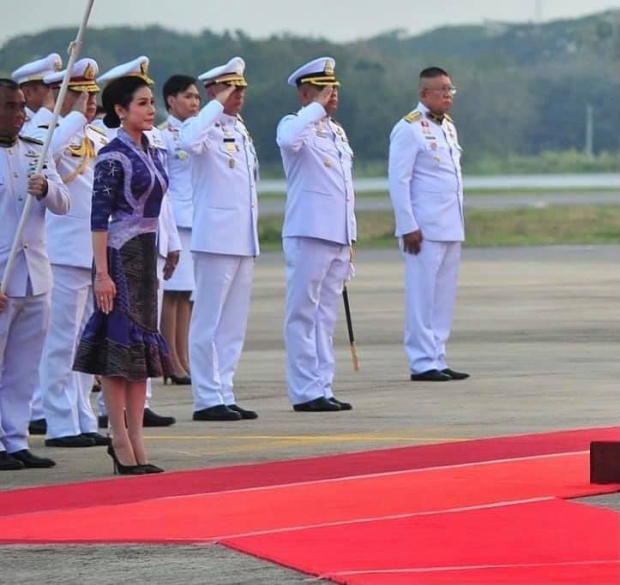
point(150, 468)
point(178, 380)
point(121, 469)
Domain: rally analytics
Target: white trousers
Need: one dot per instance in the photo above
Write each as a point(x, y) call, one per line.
point(23, 326)
point(149, 385)
point(315, 275)
point(430, 291)
point(218, 325)
point(65, 393)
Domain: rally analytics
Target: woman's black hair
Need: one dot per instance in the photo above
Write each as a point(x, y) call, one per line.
point(119, 92)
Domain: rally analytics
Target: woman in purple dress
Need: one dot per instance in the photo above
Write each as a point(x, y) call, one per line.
point(121, 342)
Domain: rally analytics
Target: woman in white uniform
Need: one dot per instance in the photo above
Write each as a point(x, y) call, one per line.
point(182, 102)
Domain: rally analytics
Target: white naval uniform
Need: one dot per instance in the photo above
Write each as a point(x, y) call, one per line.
point(319, 228)
point(426, 188)
point(24, 323)
point(180, 193)
point(35, 121)
point(224, 245)
point(64, 394)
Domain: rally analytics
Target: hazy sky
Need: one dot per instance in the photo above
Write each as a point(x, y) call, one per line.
point(338, 20)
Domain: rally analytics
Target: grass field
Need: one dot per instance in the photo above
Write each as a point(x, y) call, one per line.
point(579, 224)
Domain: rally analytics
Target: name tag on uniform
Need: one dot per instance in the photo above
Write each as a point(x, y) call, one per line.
point(230, 144)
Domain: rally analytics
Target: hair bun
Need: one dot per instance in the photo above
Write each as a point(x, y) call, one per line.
point(111, 120)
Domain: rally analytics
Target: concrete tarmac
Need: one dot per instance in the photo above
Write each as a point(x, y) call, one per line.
point(537, 328)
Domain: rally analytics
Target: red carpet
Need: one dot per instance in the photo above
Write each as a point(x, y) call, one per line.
point(471, 512)
point(212, 517)
point(119, 491)
point(542, 543)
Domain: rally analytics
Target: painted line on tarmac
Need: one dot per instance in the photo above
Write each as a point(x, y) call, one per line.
point(303, 438)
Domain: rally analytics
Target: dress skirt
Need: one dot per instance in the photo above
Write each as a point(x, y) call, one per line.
point(126, 341)
point(182, 278)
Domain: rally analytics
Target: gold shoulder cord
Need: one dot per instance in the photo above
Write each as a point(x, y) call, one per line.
point(87, 151)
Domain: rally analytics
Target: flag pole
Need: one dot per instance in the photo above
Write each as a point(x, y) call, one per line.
point(74, 49)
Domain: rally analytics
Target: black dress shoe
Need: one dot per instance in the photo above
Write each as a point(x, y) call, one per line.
point(102, 421)
point(320, 404)
point(98, 439)
point(30, 460)
point(219, 412)
point(38, 426)
point(430, 376)
point(342, 405)
point(245, 414)
point(178, 380)
point(455, 375)
point(8, 463)
point(152, 419)
point(70, 441)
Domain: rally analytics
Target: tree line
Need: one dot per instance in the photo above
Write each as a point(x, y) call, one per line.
point(523, 89)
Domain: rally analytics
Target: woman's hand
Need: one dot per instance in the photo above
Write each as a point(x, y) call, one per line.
point(105, 291)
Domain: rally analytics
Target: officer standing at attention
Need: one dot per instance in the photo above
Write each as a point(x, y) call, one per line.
point(38, 94)
point(25, 309)
point(319, 230)
point(224, 240)
point(426, 188)
point(75, 144)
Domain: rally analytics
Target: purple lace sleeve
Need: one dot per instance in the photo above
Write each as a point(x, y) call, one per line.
point(108, 192)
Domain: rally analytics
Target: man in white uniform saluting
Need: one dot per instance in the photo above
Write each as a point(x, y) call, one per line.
point(75, 144)
point(224, 240)
point(319, 230)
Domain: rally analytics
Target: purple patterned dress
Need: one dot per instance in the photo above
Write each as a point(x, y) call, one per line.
point(127, 192)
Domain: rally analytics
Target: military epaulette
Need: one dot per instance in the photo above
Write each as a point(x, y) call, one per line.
point(448, 117)
point(240, 119)
point(97, 129)
point(31, 140)
point(336, 122)
point(412, 116)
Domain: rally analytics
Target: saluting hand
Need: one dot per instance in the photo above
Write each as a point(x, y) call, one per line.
point(223, 94)
point(325, 95)
point(49, 101)
point(172, 259)
point(37, 186)
point(81, 103)
point(412, 243)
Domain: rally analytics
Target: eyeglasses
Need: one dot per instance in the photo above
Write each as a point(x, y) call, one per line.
point(443, 90)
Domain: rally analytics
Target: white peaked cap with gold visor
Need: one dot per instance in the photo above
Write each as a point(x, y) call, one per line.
point(82, 77)
point(319, 72)
point(230, 73)
point(139, 67)
point(37, 70)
